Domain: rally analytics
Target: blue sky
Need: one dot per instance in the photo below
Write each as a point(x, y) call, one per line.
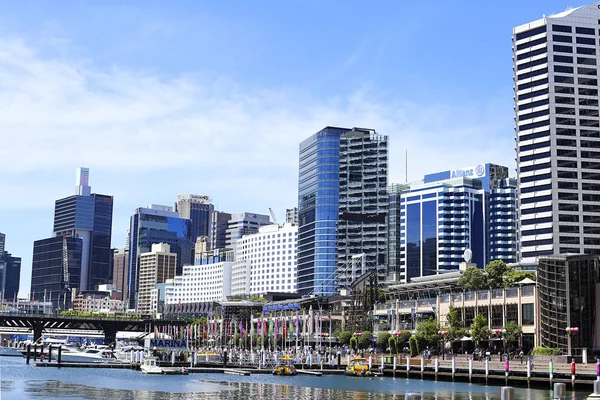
point(159, 98)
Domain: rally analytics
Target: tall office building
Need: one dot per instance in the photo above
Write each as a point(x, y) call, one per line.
point(156, 266)
point(10, 272)
point(244, 224)
point(88, 216)
point(432, 222)
point(342, 206)
point(218, 237)
point(121, 271)
point(291, 216)
point(153, 225)
point(56, 269)
point(558, 133)
point(82, 234)
point(198, 209)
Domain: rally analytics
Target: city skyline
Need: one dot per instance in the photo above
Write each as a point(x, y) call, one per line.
point(179, 119)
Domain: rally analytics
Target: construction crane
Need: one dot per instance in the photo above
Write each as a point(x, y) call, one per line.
point(273, 215)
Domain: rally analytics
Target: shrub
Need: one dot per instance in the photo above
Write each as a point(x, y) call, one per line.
point(545, 351)
point(414, 346)
point(392, 345)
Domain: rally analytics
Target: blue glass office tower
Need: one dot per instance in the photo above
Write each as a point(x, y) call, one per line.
point(199, 210)
point(342, 201)
point(153, 225)
point(449, 212)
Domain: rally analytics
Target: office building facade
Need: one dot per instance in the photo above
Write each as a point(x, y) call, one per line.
point(220, 223)
point(502, 224)
point(199, 210)
point(121, 271)
point(88, 216)
point(10, 272)
point(152, 225)
point(56, 269)
point(156, 266)
point(291, 215)
point(558, 133)
point(342, 201)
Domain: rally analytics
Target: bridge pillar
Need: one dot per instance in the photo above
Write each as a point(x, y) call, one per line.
point(38, 330)
point(110, 333)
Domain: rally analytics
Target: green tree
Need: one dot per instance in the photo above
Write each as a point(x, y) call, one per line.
point(200, 321)
point(479, 329)
point(496, 272)
point(344, 338)
point(512, 276)
point(364, 340)
point(382, 341)
point(455, 323)
point(392, 345)
point(402, 340)
point(427, 333)
point(414, 346)
point(353, 343)
point(472, 279)
point(512, 333)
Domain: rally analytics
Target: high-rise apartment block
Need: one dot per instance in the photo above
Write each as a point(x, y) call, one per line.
point(291, 215)
point(342, 206)
point(156, 266)
point(229, 228)
point(152, 225)
point(83, 225)
point(121, 271)
point(558, 133)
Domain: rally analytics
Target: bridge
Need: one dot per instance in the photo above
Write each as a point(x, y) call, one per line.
point(110, 326)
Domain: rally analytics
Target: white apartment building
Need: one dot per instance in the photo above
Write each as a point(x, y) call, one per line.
point(558, 133)
point(267, 261)
point(201, 283)
point(156, 267)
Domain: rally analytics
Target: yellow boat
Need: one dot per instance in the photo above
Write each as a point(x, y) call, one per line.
point(358, 367)
point(286, 368)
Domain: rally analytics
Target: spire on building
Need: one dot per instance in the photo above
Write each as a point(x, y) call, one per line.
point(82, 182)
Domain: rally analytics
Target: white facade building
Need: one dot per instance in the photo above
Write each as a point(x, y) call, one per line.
point(201, 283)
point(558, 133)
point(268, 260)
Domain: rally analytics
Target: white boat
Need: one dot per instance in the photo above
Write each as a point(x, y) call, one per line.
point(10, 351)
point(89, 355)
point(150, 366)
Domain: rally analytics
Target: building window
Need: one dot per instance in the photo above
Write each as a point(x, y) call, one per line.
point(528, 314)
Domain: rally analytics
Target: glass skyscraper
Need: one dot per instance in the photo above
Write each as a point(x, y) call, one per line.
point(558, 133)
point(82, 232)
point(10, 272)
point(343, 174)
point(199, 210)
point(154, 225)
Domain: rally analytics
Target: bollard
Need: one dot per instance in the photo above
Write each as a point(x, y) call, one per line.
point(507, 393)
point(395, 365)
point(528, 369)
point(453, 367)
point(412, 396)
point(470, 369)
point(596, 394)
point(422, 364)
point(507, 367)
point(573, 371)
point(560, 391)
point(487, 369)
point(407, 364)
point(49, 353)
point(35, 352)
point(59, 354)
point(550, 370)
point(382, 364)
point(28, 353)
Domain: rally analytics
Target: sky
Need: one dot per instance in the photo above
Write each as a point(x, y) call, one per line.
point(211, 97)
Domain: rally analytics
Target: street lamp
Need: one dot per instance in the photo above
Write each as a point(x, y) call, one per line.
point(444, 335)
point(499, 333)
point(570, 332)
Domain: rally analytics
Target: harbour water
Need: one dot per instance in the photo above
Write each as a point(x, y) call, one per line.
point(21, 381)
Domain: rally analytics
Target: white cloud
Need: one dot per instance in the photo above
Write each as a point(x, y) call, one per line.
point(233, 141)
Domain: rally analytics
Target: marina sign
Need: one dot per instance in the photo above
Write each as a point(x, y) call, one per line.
point(165, 344)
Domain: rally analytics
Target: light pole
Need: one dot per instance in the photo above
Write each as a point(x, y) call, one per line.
point(444, 335)
point(570, 332)
point(500, 333)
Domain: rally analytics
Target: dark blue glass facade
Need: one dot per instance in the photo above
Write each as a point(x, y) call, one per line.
point(10, 275)
point(48, 273)
point(318, 205)
point(413, 240)
point(429, 237)
point(148, 227)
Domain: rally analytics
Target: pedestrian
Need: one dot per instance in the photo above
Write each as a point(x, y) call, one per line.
point(521, 355)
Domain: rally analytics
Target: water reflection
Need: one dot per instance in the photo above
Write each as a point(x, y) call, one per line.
point(235, 391)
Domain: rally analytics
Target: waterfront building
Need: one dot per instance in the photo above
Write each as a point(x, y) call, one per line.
point(266, 261)
point(567, 298)
point(10, 272)
point(105, 300)
point(557, 133)
point(56, 269)
point(201, 283)
point(342, 206)
point(409, 304)
point(199, 210)
point(87, 216)
point(156, 266)
point(432, 222)
point(121, 271)
point(152, 225)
